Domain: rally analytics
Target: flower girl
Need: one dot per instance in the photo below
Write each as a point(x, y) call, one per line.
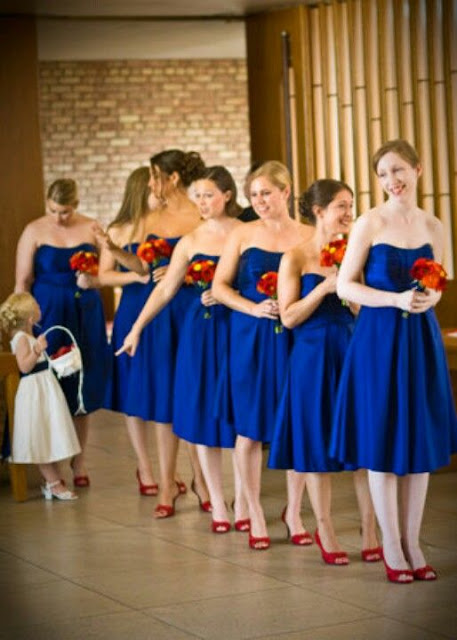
point(43, 428)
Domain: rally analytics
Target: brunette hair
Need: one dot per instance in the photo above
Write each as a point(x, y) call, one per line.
point(63, 191)
point(188, 165)
point(321, 193)
point(16, 310)
point(135, 200)
point(400, 147)
point(224, 181)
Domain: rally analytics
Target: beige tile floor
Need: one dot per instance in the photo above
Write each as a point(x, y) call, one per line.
point(103, 568)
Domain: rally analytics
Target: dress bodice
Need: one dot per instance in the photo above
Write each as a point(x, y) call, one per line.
point(52, 264)
point(254, 262)
point(388, 267)
point(331, 310)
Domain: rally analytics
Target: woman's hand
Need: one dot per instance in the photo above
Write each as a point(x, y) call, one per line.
point(103, 237)
point(142, 279)
point(207, 299)
point(158, 273)
point(130, 345)
point(415, 301)
point(330, 283)
point(266, 309)
point(85, 280)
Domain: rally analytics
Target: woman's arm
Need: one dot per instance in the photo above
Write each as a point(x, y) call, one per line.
point(350, 287)
point(127, 259)
point(25, 253)
point(164, 291)
point(293, 309)
point(226, 271)
point(109, 276)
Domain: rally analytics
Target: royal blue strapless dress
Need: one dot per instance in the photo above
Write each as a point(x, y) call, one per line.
point(304, 417)
point(258, 354)
point(148, 392)
point(134, 295)
point(81, 311)
point(394, 409)
point(202, 354)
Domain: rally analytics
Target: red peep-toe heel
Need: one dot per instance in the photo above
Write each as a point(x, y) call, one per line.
point(146, 489)
point(259, 544)
point(398, 576)
point(371, 555)
point(336, 558)
point(300, 539)
point(220, 526)
point(204, 505)
point(425, 573)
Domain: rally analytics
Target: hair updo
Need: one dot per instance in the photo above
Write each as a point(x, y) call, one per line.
point(224, 181)
point(187, 164)
point(16, 310)
point(63, 191)
point(321, 193)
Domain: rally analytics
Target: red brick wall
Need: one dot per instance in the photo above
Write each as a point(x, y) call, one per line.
point(102, 119)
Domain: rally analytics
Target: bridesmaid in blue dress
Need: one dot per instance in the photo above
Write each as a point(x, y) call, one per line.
point(151, 376)
point(127, 231)
point(258, 343)
point(69, 299)
point(322, 328)
point(203, 342)
point(394, 413)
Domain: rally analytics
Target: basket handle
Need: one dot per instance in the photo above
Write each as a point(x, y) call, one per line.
point(81, 409)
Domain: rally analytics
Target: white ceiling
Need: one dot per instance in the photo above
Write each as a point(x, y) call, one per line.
point(142, 8)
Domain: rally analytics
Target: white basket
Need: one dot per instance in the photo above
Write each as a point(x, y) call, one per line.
point(68, 364)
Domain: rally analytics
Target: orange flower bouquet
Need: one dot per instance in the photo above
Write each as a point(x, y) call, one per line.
point(200, 273)
point(152, 251)
point(333, 253)
point(268, 285)
point(85, 262)
point(427, 274)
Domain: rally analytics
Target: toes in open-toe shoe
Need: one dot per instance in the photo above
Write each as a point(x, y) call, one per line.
point(146, 489)
point(220, 526)
point(243, 525)
point(371, 555)
point(398, 576)
point(425, 573)
point(259, 544)
point(336, 558)
point(48, 491)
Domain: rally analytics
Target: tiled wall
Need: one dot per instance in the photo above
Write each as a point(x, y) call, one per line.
point(102, 119)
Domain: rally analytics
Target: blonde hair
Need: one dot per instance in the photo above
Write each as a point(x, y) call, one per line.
point(276, 172)
point(16, 310)
point(63, 191)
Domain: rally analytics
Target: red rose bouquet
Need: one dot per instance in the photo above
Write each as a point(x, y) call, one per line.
point(427, 274)
point(200, 273)
point(85, 262)
point(152, 251)
point(268, 285)
point(333, 253)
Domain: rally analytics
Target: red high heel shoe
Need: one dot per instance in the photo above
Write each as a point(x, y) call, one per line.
point(243, 525)
point(166, 510)
point(182, 486)
point(399, 576)
point(146, 489)
point(259, 544)
point(301, 539)
point(79, 481)
point(371, 555)
point(336, 558)
point(425, 573)
point(204, 505)
point(220, 526)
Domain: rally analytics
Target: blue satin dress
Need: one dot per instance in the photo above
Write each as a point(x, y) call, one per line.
point(394, 409)
point(304, 417)
point(81, 311)
point(258, 354)
point(202, 354)
point(149, 376)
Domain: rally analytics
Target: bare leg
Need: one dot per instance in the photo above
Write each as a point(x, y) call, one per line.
point(320, 494)
point(198, 480)
point(366, 509)
point(211, 464)
point(249, 461)
point(413, 492)
point(82, 431)
point(383, 488)
point(295, 486)
point(240, 505)
point(167, 446)
point(138, 433)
